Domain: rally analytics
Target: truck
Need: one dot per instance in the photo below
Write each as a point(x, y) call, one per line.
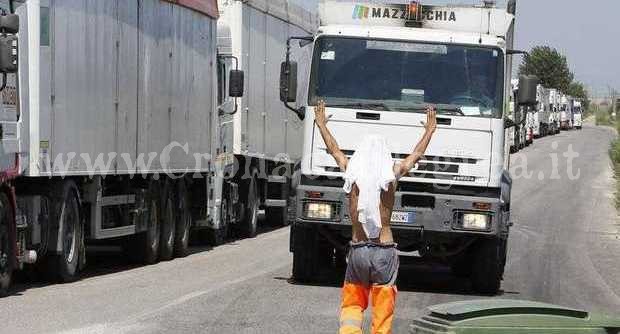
point(578, 115)
point(260, 143)
point(566, 112)
point(543, 118)
point(554, 102)
point(518, 136)
point(142, 137)
point(378, 66)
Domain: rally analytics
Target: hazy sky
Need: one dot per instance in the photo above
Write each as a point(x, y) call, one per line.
point(587, 32)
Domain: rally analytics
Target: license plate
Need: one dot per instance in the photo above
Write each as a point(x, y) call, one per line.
point(403, 217)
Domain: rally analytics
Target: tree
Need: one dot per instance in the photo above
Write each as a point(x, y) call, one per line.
point(578, 90)
point(549, 65)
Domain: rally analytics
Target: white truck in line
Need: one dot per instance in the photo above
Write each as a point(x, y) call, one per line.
point(543, 115)
point(578, 115)
point(554, 103)
point(145, 133)
point(566, 112)
point(522, 118)
point(377, 66)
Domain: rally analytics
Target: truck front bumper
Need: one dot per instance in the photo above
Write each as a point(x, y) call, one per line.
point(432, 213)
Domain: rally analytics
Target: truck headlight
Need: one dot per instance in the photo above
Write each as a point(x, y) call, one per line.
point(318, 210)
point(474, 221)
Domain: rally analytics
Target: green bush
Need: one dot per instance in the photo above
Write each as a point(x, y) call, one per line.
point(614, 154)
point(603, 117)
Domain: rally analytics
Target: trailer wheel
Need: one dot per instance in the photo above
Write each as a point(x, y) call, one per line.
point(218, 236)
point(183, 221)
point(148, 242)
point(487, 267)
point(64, 267)
point(167, 223)
point(6, 248)
point(249, 224)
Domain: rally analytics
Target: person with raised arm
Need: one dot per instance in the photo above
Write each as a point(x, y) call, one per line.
point(371, 178)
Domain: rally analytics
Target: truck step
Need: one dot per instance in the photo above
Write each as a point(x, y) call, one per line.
point(277, 179)
point(276, 203)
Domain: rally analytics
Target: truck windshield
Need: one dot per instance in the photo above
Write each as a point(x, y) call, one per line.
point(405, 76)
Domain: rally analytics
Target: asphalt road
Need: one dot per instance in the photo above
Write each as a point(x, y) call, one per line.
point(564, 248)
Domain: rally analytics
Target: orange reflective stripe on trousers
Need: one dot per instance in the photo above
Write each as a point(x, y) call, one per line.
point(355, 301)
point(383, 302)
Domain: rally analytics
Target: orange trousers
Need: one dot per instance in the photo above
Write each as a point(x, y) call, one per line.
point(355, 301)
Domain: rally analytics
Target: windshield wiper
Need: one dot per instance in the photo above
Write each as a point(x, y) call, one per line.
point(359, 105)
point(450, 109)
point(441, 109)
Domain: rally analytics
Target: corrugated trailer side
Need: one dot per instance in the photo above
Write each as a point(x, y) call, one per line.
point(262, 137)
point(108, 89)
point(127, 78)
point(260, 29)
point(176, 83)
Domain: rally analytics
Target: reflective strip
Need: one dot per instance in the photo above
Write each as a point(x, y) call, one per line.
point(351, 322)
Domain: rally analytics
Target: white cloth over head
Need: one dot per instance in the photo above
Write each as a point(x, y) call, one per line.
point(372, 169)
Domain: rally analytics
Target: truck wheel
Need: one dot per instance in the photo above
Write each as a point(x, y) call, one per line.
point(183, 221)
point(249, 224)
point(64, 266)
point(148, 242)
point(487, 266)
point(305, 251)
point(167, 222)
point(218, 236)
point(6, 248)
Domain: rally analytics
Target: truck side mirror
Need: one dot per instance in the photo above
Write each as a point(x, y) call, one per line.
point(508, 123)
point(9, 23)
point(236, 83)
point(8, 54)
point(288, 81)
point(527, 90)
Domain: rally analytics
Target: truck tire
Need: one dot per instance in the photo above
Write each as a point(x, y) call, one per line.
point(487, 267)
point(218, 236)
point(6, 247)
point(64, 267)
point(183, 220)
point(249, 225)
point(147, 243)
point(167, 223)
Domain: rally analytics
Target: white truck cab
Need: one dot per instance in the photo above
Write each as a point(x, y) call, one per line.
point(566, 112)
point(577, 115)
point(377, 67)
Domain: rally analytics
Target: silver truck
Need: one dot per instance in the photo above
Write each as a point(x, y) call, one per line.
point(138, 122)
point(377, 66)
point(114, 119)
point(259, 142)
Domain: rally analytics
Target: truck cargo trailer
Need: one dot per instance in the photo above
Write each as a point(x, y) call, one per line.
point(113, 119)
point(259, 142)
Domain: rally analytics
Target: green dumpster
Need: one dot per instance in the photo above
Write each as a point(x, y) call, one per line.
point(511, 316)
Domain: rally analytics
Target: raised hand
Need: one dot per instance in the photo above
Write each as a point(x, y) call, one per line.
point(431, 119)
point(319, 114)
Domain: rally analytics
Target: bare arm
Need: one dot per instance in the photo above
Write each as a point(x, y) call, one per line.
point(332, 145)
point(406, 165)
